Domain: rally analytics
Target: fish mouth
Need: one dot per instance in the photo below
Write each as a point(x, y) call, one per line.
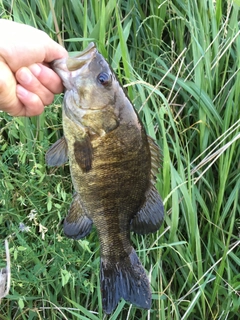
point(82, 58)
point(68, 68)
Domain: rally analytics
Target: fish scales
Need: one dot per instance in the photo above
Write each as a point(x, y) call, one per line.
point(114, 173)
point(113, 167)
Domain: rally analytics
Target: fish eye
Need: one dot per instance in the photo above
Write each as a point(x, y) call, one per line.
point(104, 78)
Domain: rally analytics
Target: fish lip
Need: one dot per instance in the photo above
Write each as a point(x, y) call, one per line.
point(68, 68)
point(82, 58)
point(90, 48)
point(65, 64)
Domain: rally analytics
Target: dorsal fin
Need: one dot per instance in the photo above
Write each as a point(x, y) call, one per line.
point(150, 216)
point(155, 158)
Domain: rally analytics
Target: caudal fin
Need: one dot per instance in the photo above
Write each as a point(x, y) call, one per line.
point(126, 279)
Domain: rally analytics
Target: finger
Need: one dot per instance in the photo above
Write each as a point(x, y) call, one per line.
point(9, 102)
point(54, 51)
point(16, 100)
point(27, 80)
point(47, 77)
point(32, 104)
point(23, 45)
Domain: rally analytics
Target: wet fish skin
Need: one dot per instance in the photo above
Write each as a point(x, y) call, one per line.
point(113, 169)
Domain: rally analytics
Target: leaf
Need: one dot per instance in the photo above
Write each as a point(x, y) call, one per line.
point(21, 303)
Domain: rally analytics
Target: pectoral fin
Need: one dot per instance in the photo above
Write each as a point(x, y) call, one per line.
point(150, 216)
point(57, 154)
point(83, 153)
point(77, 224)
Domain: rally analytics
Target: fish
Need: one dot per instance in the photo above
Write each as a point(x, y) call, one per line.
point(113, 165)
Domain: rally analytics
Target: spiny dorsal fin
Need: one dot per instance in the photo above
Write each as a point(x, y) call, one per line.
point(77, 224)
point(57, 154)
point(155, 158)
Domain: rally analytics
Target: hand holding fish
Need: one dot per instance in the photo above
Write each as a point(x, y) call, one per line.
point(27, 83)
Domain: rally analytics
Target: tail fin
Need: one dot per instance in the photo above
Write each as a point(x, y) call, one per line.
point(126, 279)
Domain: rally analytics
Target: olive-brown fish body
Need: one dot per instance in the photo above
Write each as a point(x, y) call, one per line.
point(113, 165)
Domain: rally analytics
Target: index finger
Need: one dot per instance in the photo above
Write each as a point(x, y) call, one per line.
point(22, 45)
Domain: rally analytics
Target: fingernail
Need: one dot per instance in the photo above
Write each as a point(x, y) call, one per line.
point(24, 76)
point(21, 92)
point(35, 69)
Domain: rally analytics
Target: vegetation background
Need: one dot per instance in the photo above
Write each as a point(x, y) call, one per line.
point(179, 61)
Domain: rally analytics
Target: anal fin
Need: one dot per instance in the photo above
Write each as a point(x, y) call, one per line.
point(150, 216)
point(77, 224)
point(57, 154)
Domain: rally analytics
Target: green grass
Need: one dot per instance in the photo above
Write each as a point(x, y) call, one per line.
point(179, 61)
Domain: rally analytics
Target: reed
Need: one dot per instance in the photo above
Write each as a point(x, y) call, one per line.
point(179, 62)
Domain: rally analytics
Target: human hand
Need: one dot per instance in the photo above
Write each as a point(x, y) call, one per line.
point(27, 83)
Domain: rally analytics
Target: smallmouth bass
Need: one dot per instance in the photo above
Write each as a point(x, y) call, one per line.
point(113, 166)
